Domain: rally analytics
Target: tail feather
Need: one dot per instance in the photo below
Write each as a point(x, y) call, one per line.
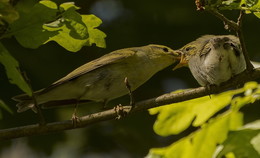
point(21, 97)
point(26, 105)
point(25, 102)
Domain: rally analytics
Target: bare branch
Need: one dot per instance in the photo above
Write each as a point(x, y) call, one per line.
point(84, 121)
point(240, 35)
point(229, 24)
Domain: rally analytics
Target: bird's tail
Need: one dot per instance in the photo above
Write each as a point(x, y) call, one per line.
point(25, 102)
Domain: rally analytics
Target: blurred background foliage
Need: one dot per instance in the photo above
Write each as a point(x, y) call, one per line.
point(126, 24)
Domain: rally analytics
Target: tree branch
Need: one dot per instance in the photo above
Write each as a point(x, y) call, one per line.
point(240, 35)
point(229, 24)
point(84, 121)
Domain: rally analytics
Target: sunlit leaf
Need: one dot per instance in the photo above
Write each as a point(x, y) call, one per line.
point(28, 28)
point(200, 144)
point(68, 5)
point(95, 35)
point(73, 35)
point(214, 129)
point(250, 6)
point(62, 24)
point(47, 22)
point(174, 118)
point(257, 14)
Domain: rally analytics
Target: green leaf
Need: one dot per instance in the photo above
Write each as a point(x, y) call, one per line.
point(12, 70)
point(72, 31)
point(244, 142)
point(46, 22)
point(203, 142)
point(257, 14)
point(25, 6)
point(73, 21)
point(175, 118)
point(250, 6)
point(5, 107)
point(28, 28)
point(68, 5)
point(78, 31)
point(95, 35)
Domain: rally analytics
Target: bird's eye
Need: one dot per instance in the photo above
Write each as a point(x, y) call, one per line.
point(188, 48)
point(237, 52)
point(165, 49)
point(232, 45)
point(236, 49)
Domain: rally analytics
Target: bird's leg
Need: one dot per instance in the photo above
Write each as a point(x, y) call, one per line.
point(208, 89)
point(132, 103)
point(75, 119)
point(104, 107)
point(119, 109)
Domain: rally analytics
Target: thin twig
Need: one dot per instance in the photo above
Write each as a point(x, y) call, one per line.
point(229, 24)
point(84, 121)
point(240, 35)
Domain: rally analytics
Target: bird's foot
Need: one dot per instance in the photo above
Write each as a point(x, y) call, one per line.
point(128, 86)
point(132, 104)
point(119, 109)
point(208, 89)
point(75, 119)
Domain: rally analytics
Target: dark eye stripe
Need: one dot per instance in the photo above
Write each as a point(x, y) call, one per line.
point(236, 50)
point(189, 48)
point(165, 49)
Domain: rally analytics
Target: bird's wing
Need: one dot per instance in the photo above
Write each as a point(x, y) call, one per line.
point(205, 50)
point(111, 58)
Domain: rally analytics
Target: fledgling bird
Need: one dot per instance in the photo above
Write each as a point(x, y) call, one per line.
point(213, 59)
point(103, 79)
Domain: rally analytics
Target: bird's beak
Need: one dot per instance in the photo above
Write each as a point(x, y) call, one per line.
point(183, 61)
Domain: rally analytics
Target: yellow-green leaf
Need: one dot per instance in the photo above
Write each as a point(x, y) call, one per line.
point(174, 118)
point(45, 22)
point(200, 144)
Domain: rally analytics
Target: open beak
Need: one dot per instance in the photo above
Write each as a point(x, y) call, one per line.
point(183, 62)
